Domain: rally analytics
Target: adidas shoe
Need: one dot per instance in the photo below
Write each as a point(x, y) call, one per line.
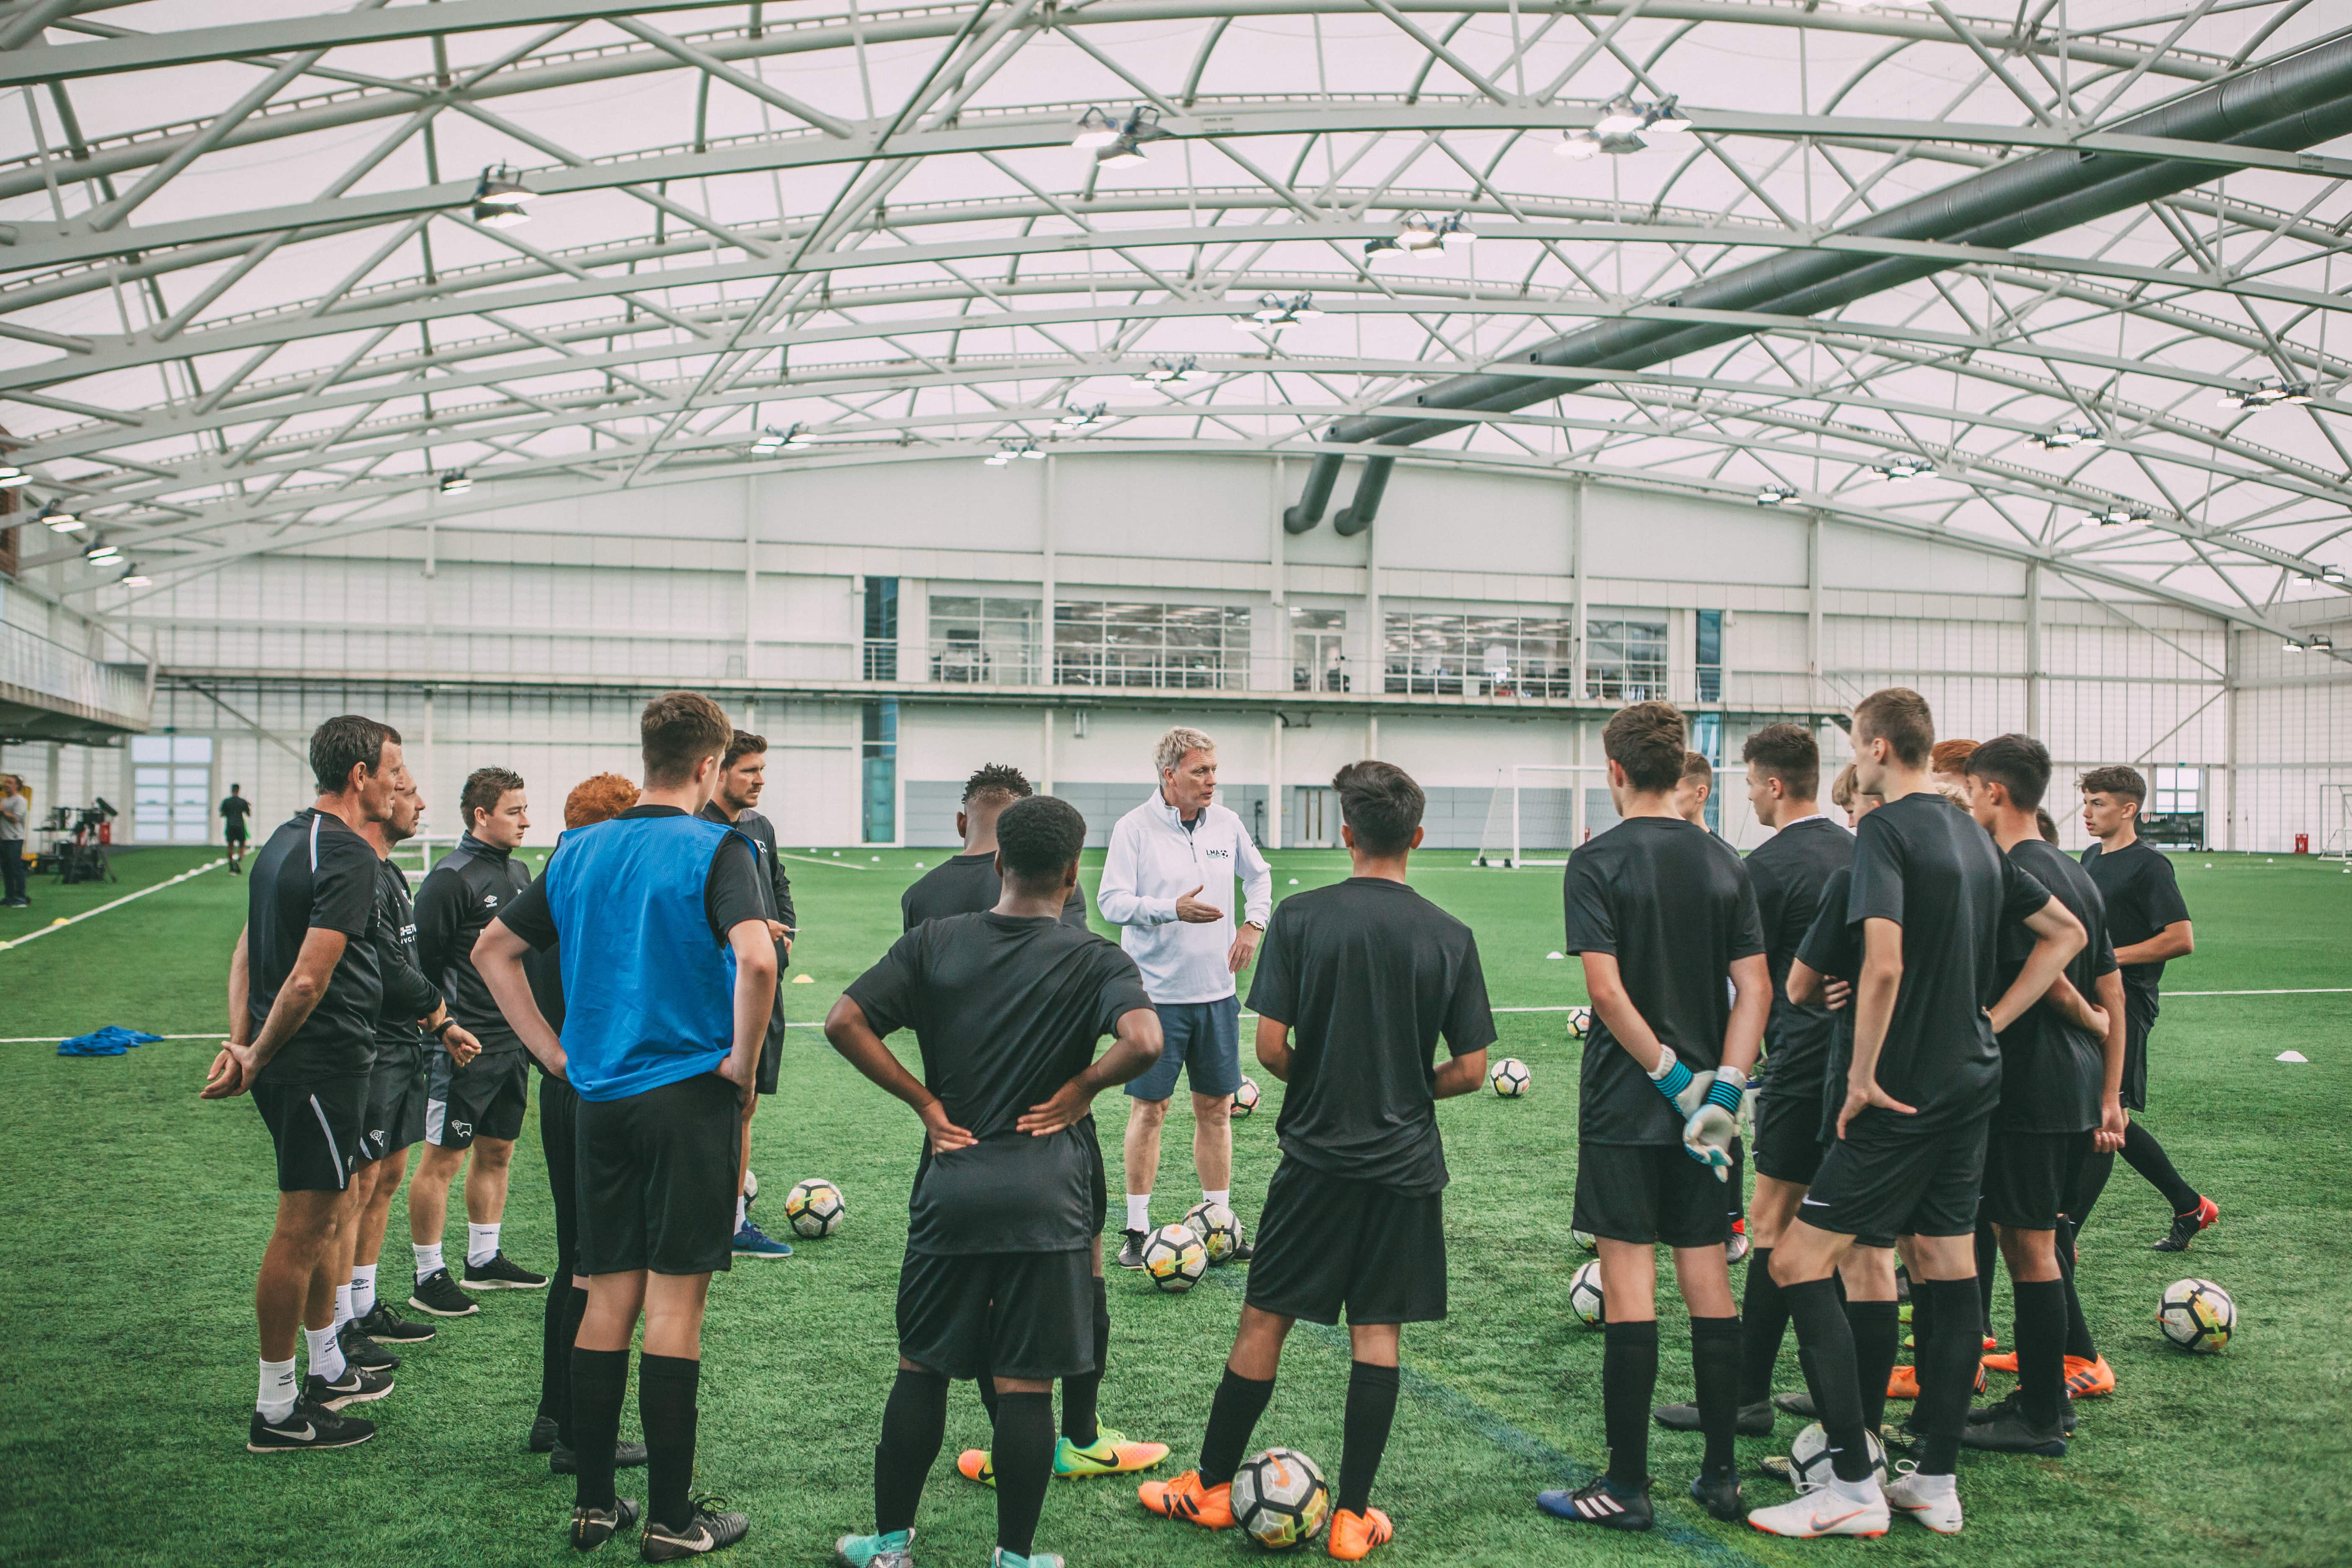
point(1837, 1509)
point(386, 1326)
point(361, 1350)
point(1934, 1502)
point(1598, 1501)
point(706, 1531)
point(306, 1426)
point(1130, 1256)
point(2185, 1226)
point(2090, 1379)
point(1755, 1420)
point(895, 1549)
point(562, 1461)
point(356, 1386)
point(592, 1527)
point(439, 1294)
point(1189, 1498)
point(502, 1273)
point(1353, 1535)
point(1719, 1495)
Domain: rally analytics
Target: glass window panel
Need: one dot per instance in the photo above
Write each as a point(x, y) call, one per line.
point(151, 748)
point(193, 749)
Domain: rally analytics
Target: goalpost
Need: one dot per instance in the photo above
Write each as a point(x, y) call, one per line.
point(1536, 814)
point(2335, 826)
point(419, 853)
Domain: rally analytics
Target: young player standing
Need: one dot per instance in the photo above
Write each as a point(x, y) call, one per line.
point(235, 809)
point(2150, 924)
point(1004, 1224)
point(1931, 894)
point(1368, 975)
point(1660, 910)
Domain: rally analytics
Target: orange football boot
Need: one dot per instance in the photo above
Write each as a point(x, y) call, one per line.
point(1186, 1498)
point(1353, 1536)
point(2005, 1362)
point(2089, 1379)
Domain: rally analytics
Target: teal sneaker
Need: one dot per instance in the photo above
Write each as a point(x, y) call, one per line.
point(896, 1550)
point(750, 1241)
point(1000, 1558)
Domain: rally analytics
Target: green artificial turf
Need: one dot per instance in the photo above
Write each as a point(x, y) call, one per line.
point(134, 1215)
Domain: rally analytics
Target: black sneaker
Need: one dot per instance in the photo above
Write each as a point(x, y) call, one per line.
point(1755, 1420)
point(592, 1527)
point(706, 1531)
point(1798, 1403)
point(1719, 1495)
point(2185, 1226)
point(360, 1351)
point(386, 1326)
point(2009, 1406)
point(502, 1273)
point(439, 1294)
point(356, 1386)
point(543, 1432)
point(1242, 1251)
point(1598, 1501)
point(1131, 1254)
point(308, 1425)
point(562, 1461)
point(2008, 1432)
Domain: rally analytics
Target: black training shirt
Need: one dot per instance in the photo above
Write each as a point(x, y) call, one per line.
point(1005, 1011)
point(965, 885)
point(775, 895)
point(1674, 906)
point(1833, 950)
point(1923, 863)
point(2143, 897)
point(1789, 871)
point(2051, 1070)
point(731, 891)
point(1367, 974)
point(408, 995)
point(315, 872)
point(234, 809)
point(473, 885)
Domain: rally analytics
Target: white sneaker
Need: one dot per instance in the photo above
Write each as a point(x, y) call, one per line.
point(1939, 1510)
point(1824, 1510)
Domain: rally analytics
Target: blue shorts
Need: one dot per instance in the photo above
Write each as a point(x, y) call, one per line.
point(1203, 1038)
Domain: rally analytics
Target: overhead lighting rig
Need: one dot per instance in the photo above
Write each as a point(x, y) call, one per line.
point(1275, 313)
point(455, 482)
point(1775, 495)
point(2116, 514)
point(1076, 418)
point(1419, 234)
point(2269, 390)
point(1009, 450)
point(1117, 142)
point(59, 519)
point(11, 476)
point(2066, 436)
point(100, 554)
point(1627, 126)
point(134, 578)
point(499, 198)
point(1163, 371)
point(1904, 467)
point(771, 439)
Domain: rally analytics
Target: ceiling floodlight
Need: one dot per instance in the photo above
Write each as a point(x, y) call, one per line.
point(2321, 642)
point(771, 439)
point(97, 554)
point(135, 578)
point(455, 482)
point(2291, 646)
point(2066, 436)
point(1902, 467)
point(1076, 418)
point(1622, 125)
point(2269, 389)
point(498, 199)
point(11, 476)
point(1119, 141)
point(1416, 232)
point(2116, 514)
point(59, 519)
point(2332, 575)
point(1774, 495)
point(1162, 372)
point(1578, 145)
point(1275, 313)
point(1096, 129)
point(1619, 116)
point(997, 460)
point(1382, 248)
point(1667, 118)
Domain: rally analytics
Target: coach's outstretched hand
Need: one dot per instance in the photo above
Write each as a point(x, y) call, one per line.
point(1194, 911)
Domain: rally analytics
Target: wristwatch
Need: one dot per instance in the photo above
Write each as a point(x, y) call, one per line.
point(440, 1031)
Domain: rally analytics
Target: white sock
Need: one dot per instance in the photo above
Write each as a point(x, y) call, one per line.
point(428, 1261)
point(1223, 1196)
point(342, 1305)
point(1937, 1487)
point(1138, 1211)
point(326, 1354)
point(742, 1211)
point(1864, 1491)
point(276, 1401)
point(362, 1289)
point(481, 1243)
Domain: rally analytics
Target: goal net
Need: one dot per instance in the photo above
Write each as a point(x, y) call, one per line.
point(1539, 811)
point(419, 854)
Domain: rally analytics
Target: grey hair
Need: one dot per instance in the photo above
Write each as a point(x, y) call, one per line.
point(1168, 755)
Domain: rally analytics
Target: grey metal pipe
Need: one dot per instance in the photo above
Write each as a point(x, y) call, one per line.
point(1357, 516)
point(1315, 496)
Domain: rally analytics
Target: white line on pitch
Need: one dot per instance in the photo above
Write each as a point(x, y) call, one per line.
point(114, 903)
point(813, 860)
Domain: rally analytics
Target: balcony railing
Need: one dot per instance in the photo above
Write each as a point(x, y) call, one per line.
point(50, 674)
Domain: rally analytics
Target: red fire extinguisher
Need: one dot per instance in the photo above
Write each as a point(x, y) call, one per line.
point(106, 832)
point(2302, 843)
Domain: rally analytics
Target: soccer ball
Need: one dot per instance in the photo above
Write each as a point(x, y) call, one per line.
point(1219, 1231)
point(1585, 1239)
point(815, 1207)
point(1584, 1295)
point(1174, 1258)
point(750, 1184)
point(1580, 1023)
point(2196, 1315)
point(1245, 1098)
point(1280, 1499)
point(1509, 1078)
point(1809, 1458)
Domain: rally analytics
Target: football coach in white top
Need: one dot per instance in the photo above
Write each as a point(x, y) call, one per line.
point(1169, 881)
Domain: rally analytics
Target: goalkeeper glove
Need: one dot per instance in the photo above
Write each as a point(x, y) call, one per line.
point(1684, 1089)
point(1708, 1132)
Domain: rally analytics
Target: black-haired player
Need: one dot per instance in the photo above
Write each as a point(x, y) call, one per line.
point(1931, 894)
point(1004, 1225)
point(1368, 975)
point(1660, 910)
point(235, 813)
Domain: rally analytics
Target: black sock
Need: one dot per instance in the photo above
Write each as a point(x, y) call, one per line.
point(1715, 1370)
point(1629, 1381)
point(2078, 1328)
point(1080, 1392)
point(1233, 1415)
point(2090, 1181)
point(1877, 1329)
point(565, 1307)
point(1763, 1322)
point(1371, 1409)
point(1024, 1457)
point(914, 1425)
point(2042, 1349)
point(1825, 1349)
point(1988, 1253)
point(1946, 1359)
point(1923, 1318)
point(599, 1380)
point(665, 1403)
point(2147, 1157)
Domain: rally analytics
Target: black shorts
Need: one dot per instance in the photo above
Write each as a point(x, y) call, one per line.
point(1883, 1180)
point(484, 1099)
point(1028, 1315)
point(1649, 1193)
point(396, 1105)
point(771, 1065)
point(656, 1178)
point(2135, 1030)
point(1326, 1242)
point(234, 836)
point(558, 1140)
point(2028, 1176)
point(1788, 1138)
point(317, 1128)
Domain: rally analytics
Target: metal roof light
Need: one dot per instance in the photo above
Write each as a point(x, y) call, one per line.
point(2332, 575)
point(11, 476)
point(133, 578)
point(1902, 467)
point(771, 439)
point(2066, 436)
point(455, 482)
point(2321, 642)
point(1118, 142)
point(1625, 125)
point(1775, 495)
point(1076, 418)
point(98, 554)
point(2269, 390)
point(2116, 514)
point(1162, 372)
point(499, 197)
point(1275, 313)
point(59, 519)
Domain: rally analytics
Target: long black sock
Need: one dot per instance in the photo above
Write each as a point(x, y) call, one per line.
point(1233, 1415)
point(1825, 1349)
point(1877, 1327)
point(555, 1375)
point(599, 1380)
point(914, 1425)
point(1024, 1457)
point(1081, 1392)
point(1946, 1359)
point(1371, 1410)
point(2147, 1157)
point(667, 1385)
point(1923, 1318)
point(1715, 1369)
point(1988, 1253)
point(1629, 1381)
point(2042, 1349)
point(2090, 1181)
point(1763, 1322)
point(2078, 1328)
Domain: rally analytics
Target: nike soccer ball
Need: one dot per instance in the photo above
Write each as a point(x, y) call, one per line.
point(1245, 1098)
point(1584, 1297)
point(1280, 1499)
point(1219, 1231)
point(1509, 1078)
point(1809, 1458)
point(750, 1184)
point(1585, 1239)
point(2196, 1315)
point(815, 1207)
point(1174, 1258)
point(1580, 1023)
